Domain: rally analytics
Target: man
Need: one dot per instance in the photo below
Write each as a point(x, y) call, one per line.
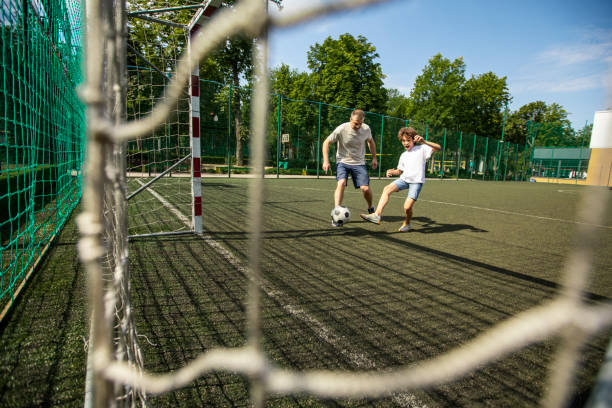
point(350, 139)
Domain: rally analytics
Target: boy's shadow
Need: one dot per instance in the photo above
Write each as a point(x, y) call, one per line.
point(432, 227)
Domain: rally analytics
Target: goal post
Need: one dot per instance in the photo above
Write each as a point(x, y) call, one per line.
point(164, 165)
point(203, 14)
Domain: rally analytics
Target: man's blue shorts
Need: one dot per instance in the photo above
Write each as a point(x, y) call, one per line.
point(414, 189)
point(359, 174)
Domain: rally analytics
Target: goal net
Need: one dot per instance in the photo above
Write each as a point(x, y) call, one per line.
point(158, 163)
point(150, 146)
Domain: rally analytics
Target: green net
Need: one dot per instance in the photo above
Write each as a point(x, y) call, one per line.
point(560, 162)
point(41, 133)
point(297, 129)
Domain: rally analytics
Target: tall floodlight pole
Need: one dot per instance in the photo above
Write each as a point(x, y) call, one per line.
point(501, 141)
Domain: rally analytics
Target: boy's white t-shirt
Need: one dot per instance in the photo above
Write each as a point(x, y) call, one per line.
point(412, 163)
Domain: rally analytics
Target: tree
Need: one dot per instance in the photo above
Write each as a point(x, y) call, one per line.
point(540, 124)
point(235, 62)
point(437, 92)
point(397, 104)
point(480, 106)
point(301, 115)
point(346, 74)
point(583, 136)
point(291, 83)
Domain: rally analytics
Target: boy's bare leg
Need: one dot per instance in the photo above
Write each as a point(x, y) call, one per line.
point(408, 204)
point(339, 193)
point(384, 198)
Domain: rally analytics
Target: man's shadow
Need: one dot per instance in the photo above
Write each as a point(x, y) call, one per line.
point(433, 227)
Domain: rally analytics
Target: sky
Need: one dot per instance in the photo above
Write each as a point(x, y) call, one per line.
point(553, 51)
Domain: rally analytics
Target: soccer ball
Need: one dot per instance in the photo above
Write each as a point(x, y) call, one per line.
point(340, 215)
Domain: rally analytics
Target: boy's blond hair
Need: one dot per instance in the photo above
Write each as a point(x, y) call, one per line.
point(406, 131)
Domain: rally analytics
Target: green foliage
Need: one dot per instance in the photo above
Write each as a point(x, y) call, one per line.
point(346, 74)
point(539, 124)
point(397, 104)
point(437, 92)
point(480, 105)
point(583, 136)
point(297, 87)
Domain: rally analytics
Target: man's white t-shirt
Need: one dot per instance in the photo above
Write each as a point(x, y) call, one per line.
point(412, 163)
point(350, 143)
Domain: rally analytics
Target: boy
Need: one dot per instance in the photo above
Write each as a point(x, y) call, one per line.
point(411, 169)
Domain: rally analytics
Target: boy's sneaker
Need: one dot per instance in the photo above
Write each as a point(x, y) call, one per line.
point(371, 217)
point(371, 210)
point(404, 228)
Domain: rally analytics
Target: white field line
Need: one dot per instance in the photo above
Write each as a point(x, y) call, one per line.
point(479, 208)
point(169, 206)
point(518, 214)
point(359, 360)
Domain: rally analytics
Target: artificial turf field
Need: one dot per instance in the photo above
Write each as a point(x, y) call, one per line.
point(367, 296)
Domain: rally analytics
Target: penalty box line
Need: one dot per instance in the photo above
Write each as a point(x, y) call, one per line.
point(359, 360)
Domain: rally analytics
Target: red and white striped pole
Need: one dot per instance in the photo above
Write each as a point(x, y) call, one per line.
point(194, 112)
point(194, 130)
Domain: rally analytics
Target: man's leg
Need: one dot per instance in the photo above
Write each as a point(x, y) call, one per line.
point(361, 180)
point(367, 194)
point(342, 173)
point(339, 193)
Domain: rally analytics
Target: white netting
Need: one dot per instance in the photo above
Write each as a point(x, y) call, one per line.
point(566, 316)
point(154, 46)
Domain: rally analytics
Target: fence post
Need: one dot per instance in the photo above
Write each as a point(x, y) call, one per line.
point(484, 167)
point(497, 161)
point(443, 155)
point(552, 156)
point(319, 142)
point(459, 153)
point(473, 158)
point(502, 141)
point(229, 131)
point(278, 136)
point(382, 129)
point(506, 161)
point(515, 161)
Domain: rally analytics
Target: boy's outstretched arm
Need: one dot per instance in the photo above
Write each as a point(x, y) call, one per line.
point(419, 139)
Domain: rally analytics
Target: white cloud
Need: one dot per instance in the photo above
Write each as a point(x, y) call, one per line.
point(565, 68)
point(577, 54)
point(568, 84)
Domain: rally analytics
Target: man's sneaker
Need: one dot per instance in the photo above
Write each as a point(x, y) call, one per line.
point(404, 228)
point(371, 217)
point(371, 210)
